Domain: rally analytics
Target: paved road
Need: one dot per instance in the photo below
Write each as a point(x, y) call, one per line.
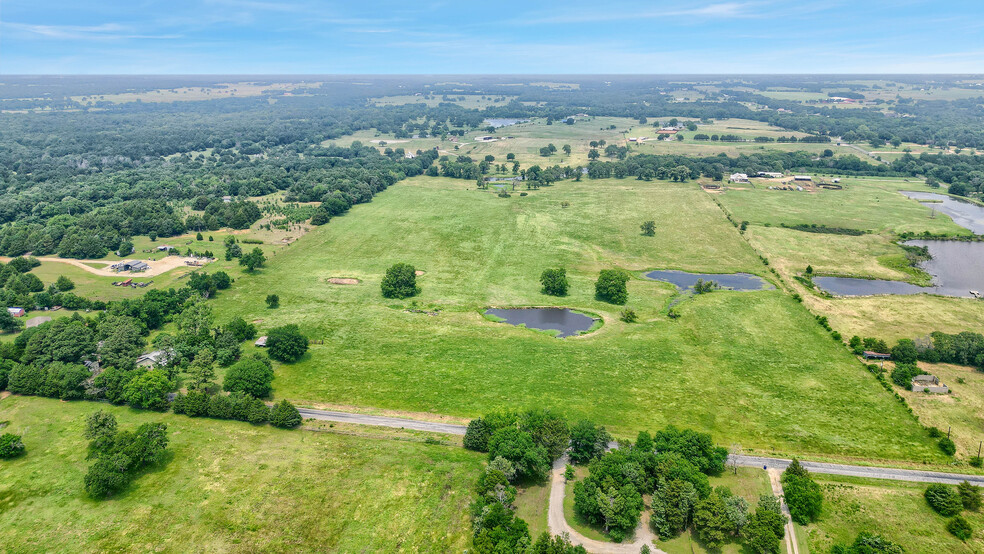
point(862, 150)
point(913, 475)
point(558, 523)
point(383, 421)
point(744, 461)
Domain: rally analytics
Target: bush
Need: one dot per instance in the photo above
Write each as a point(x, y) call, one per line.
point(530, 459)
point(123, 457)
point(11, 446)
point(959, 528)
point(976, 461)
point(554, 282)
point(970, 496)
point(272, 301)
point(64, 284)
point(905, 352)
point(252, 375)
point(285, 415)
point(943, 499)
point(947, 446)
point(903, 373)
point(286, 343)
point(628, 315)
point(400, 281)
point(477, 435)
point(611, 286)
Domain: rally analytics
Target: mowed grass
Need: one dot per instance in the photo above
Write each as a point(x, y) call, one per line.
point(893, 509)
point(228, 486)
point(752, 368)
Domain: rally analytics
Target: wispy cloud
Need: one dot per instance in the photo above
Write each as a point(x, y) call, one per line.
point(723, 10)
point(105, 31)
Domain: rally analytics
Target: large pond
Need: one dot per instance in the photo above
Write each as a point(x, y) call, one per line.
point(733, 281)
point(965, 214)
point(548, 319)
point(503, 122)
point(957, 268)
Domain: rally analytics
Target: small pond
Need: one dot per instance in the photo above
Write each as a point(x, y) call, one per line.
point(557, 319)
point(965, 214)
point(503, 122)
point(957, 268)
point(732, 281)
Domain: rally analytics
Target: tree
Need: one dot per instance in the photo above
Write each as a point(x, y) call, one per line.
point(673, 504)
point(64, 284)
point(803, 495)
point(8, 323)
point(240, 329)
point(567, 149)
point(944, 499)
point(286, 343)
point(593, 154)
point(554, 282)
point(252, 375)
point(253, 260)
point(587, 441)
point(11, 446)
point(125, 249)
point(611, 286)
point(530, 459)
point(100, 428)
point(400, 281)
point(648, 228)
point(121, 342)
point(712, 526)
point(222, 280)
point(285, 415)
point(148, 390)
point(905, 352)
point(273, 301)
point(764, 531)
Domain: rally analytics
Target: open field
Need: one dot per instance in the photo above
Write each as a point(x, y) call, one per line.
point(961, 412)
point(229, 486)
point(189, 94)
point(751, 368)
point(894, 509)
point(469, 101)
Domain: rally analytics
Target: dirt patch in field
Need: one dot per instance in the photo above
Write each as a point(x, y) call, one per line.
point(343, 281)
point(419, 272)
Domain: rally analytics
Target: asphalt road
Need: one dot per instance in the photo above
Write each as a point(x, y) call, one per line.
point(383, 421)
point(744, 461)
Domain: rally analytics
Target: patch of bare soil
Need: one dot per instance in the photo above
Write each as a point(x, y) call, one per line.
point(343, 281)
point(418, 272)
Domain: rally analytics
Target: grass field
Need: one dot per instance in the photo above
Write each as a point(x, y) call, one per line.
point(751, 368)
point(896, 510)
point(228, 486)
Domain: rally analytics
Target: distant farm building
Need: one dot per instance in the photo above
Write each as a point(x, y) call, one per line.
point(227, 199)
point(802, 178)
point(869, 355)
point(667, 131)
point(738, 178)
point(409, 155)
point(770, 174)
point(35, 321)
point(16, 312)
point(130, 265)
point(165, 248)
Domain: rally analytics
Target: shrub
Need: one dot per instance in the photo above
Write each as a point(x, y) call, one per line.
point(400, 281)
point(611, 286)
point(477, 435)
point(286, 343)
point(947, 446)
point(285, 415)
point(272, 301)
point(554, 282)
point(64, 284)
point(11, 446)
point(251, 376)
point(628, 315)
point(803, 495)
point(976, 461)
point(944, 499)
point(959, 528)
point(970, 496)
point(530, 459)
point(905, 352)
point(648, 228)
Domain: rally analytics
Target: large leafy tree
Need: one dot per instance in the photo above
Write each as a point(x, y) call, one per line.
point(252, 375)
point(611, 286)
point(400, 281)
point(286, 343)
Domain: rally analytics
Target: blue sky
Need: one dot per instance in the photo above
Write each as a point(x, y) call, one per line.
point(506, 36)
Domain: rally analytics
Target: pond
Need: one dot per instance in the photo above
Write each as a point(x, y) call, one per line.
point(957, 268)
point(733, 281)
point(503, 122)
point(965, 214)
point(548, 319)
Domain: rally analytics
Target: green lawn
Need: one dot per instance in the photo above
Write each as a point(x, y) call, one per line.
point(228, 486)
point(751, 368)
point(896, 510)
